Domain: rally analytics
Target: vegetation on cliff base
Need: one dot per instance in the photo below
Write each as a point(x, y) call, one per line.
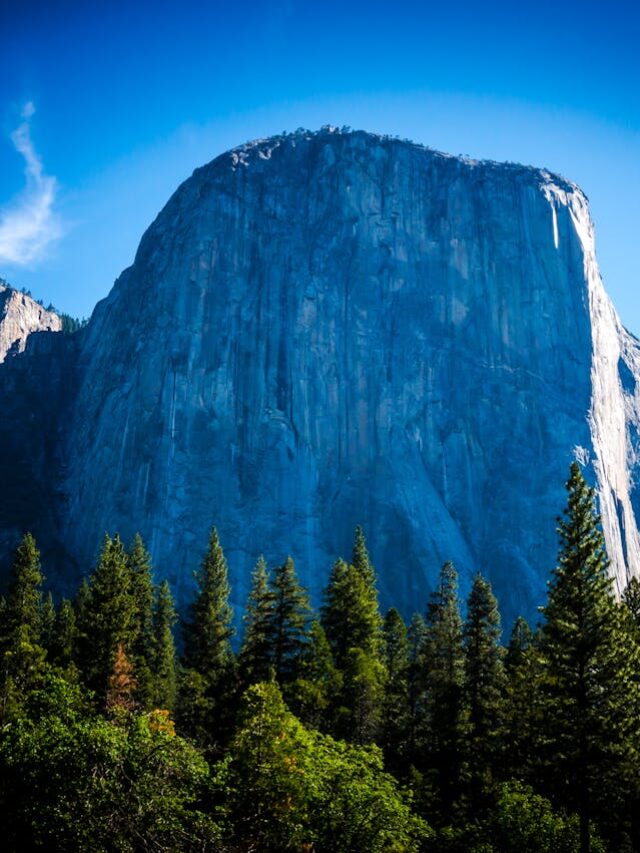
point(343, 731)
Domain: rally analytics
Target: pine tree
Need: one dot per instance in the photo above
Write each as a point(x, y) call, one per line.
point(23, 654)
point(208, 633)
point(47, 621)
point(442, 739)
point(591, 698)
point(255, 658)
point(631, 597)
point(350, 615)
point(206, 695)
point(361, 697)
point(360, 558)
point(416, 641)
point(312, 696)
point(105, 614)
point(142, 642)
point(164, 666)
point(362, 564)
point(23, 608)
point(483, 683)
point(64, 635)
point(289, 622)
point(395, 712)
point(523, 718)
point(353, 625)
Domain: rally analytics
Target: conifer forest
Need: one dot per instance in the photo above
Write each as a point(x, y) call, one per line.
point(125, 728)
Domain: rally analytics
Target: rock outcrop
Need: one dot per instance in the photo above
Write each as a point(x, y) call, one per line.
point(20, 315)
point(332, 328)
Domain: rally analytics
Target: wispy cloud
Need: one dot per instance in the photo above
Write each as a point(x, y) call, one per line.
point(28, 223)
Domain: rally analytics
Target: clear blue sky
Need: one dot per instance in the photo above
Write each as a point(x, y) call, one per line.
point(109, 105)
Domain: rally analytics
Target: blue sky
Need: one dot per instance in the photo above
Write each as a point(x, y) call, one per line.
point(106, 107)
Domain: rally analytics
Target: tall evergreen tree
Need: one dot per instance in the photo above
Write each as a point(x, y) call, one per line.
point(396, 707)
point(64, 636)
point(23, 654)
point(47, 620)
point(361, 697)
point(445, 719)
point(105, 613)
point(164, 665)
point(313, 695)
point(23, 608)
point(483, 683)
point(208, 632)
point(255, 658)
point(290, 618)
point(206, 694)
point(361, 562)
point(142, 643)
point(353, 625)
point(591, 708)
point(350, 615)
point(523, 716)
point(416, 641)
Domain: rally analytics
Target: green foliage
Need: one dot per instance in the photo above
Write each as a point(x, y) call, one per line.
point(443, 729)
point(351, 615)
point(64, 635)
point(313, 695)
point(142, 635)
point(529, 749)
point(209, 681)
point(525, 822)
point(289, 622)
point(208, 632)
point(70, 324)
point(23, 654)
point(483, 681)
point(523, 708)
point(284, 787)
point(47, 621)
point(23, 608)
point(396, 705)
point(164, 664)
point(416, 640)
point(255, 658)
point(631, 598)
point(73, 781)
point(106, 612)
point(359, 716)
point(590, 678)
point(353, 626)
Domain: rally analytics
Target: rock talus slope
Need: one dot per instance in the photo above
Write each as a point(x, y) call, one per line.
point(336, 328)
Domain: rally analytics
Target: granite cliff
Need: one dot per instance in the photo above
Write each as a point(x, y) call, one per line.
point(332, 328)
point(20, 315)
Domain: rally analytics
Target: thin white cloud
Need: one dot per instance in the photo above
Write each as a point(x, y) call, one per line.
point(28, 223)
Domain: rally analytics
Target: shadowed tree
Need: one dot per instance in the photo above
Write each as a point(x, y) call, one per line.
point(590, 688)
point(290, 616)
point(255, 658)
point(483, 684)
point(105, 616)
point(164, 665)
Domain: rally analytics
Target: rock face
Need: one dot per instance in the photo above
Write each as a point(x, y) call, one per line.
point(20, 315)
point(327, 329)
